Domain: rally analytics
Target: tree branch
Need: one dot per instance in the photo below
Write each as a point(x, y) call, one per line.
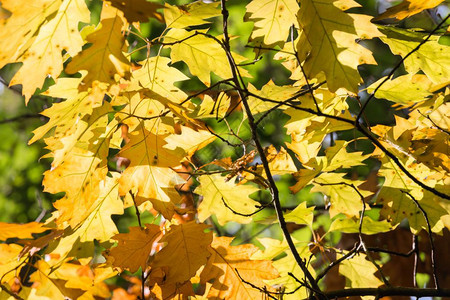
point(389, 291)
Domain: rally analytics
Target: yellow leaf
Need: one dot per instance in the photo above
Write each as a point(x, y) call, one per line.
point(201, 62)
point(221, 268)
point(192, 14)
point(273, 19)
point(189, 140)
point(156, 75)
point(134, 247)
point(138, 10)
point(327, 42)
point(99, 225)
point(63, 115)
point(150, 171)
point(210, 108)
point(343, 198)
point(337, 157)
point(352, 226)
point(301, 215)
point(408, 8)
point(104, 58)
point(21, 231)
point(21, 27)
point(406, 89)
point(280, 162)
point(359, 271)
point(432, 57)
point(270, 91)
point(85, 278)
point(10, 261)
point(215, 191)
point(44, 57)
point(79, 167)
point(186, 250)
point(287, 265)
point(398, 205)
point(140, 110)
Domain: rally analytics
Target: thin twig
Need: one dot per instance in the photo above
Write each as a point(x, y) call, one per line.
point(138, 213)
point(415, 245)
point(430, 236)
point(21, 117)
point(262, 290)
point(241, 214)
point(12, 294)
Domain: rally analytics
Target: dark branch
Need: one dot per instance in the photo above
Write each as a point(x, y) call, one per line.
point(389, 291)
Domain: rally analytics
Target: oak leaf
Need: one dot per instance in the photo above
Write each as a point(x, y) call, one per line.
point(150, 171)
point(192, 14)
point(21, 231)
point(138, 10)
point(432, 57)
point(217, 192)
point(228, 265)
point(156, 75)
point(134, 248)
point(190, 48)
point(186, 250)
point(104, 58)
point(273, 19)
point(327, 42)
point(43, 56)
point(359, 271)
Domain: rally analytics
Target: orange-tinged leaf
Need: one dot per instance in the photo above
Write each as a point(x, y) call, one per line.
point(134, 248)
point(273, 19)
point(104, 58)
point(216, 190)
point(178, 291)
point(21, 231)
point(44, 55)
point(408, 8)
point(221, 271)
point(186, 250)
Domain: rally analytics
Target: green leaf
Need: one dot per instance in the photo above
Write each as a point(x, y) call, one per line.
point(432, 58)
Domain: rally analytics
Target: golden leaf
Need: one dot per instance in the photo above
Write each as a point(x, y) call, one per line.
point(134, 248)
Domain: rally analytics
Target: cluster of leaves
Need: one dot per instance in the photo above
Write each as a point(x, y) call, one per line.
point(123, 134)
